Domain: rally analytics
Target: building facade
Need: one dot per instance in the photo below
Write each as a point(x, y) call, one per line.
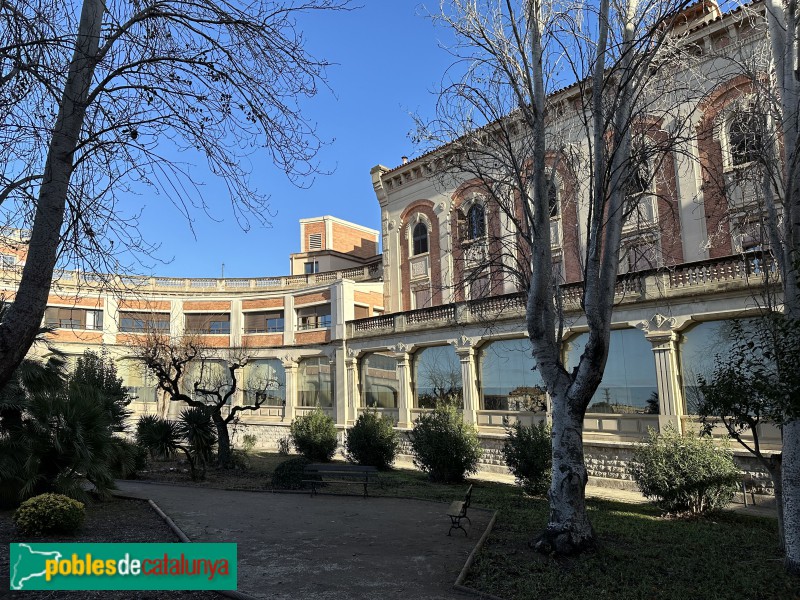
point(431, 319)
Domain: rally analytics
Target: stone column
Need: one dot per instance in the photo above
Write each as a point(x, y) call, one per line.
point(290, 366)
point(405, 399)
point(466, 354)
point(670, 394)
point(354, 400)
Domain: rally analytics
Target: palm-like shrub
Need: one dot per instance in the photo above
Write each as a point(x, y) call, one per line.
point(372, 441)
point(193, 434)
point(684, 473)
point(529, 456)
point(58, 433)
point(314, 436)
point(445, 447)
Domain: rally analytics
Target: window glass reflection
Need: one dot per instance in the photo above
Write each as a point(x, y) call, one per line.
point(507, 378)
point(437, 377)
point(629, 381)
point(379, 382)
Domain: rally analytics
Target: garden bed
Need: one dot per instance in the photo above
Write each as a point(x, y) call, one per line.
point(640, 554)
point(117, 520)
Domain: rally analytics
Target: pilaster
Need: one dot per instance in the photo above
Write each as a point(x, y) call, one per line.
point(290, 367)
point(466, 354)
point(405, 398)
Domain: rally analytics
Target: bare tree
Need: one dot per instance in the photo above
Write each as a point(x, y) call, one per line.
point(767, 114)
point(511, 135)
point(94, 94)
point(188, 371)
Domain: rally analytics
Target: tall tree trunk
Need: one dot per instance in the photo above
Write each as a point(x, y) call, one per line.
point(568, 530)
point(23, 320)
point(790, 479)
point(223, 440)
point(773, 466)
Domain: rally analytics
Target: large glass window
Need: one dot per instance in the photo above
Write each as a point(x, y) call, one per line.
point(699, 349)
point(315, 382)
point(265, 382)
point(507, 378)
point(420, 239)
point(437, 377)
point(380, 384)
point(629, 382)
point(143, 322)
point(139, 380)
point(211, 375)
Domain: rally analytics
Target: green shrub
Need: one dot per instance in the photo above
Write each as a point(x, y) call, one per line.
point(289, 474)
point(444, 446)
point(157, 435)
point(248, 443)
point(314, 436)
point(684, 473)
point(49, 513)
point(372, 441)
point(529, 456)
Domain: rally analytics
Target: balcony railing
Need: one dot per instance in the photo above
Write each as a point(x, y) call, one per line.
point(740, 270)
point(368, 272)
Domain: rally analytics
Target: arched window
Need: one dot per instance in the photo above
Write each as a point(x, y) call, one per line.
point(639, 181)
point(552, 198)
point(420, 237)
point(745, 130)
point(476, 222)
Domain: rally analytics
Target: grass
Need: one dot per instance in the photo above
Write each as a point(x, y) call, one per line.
point(640, 555)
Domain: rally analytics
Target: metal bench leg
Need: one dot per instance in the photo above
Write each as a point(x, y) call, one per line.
point(455, 523)
point(744, 493)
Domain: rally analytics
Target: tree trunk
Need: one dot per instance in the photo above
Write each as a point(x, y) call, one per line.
point(23, 320)
point(223, 441)
point(790, 480)
point(773, 465)
point(568, 530)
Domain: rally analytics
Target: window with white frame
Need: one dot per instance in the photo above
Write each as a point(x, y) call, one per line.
point(745, 134)
point(419, 239)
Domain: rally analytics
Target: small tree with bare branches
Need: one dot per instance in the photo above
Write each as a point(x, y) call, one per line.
point(188, 371)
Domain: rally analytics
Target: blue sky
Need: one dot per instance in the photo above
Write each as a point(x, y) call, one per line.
point(389, 61)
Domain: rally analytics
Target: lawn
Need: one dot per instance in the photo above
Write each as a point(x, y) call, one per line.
point(639, 555)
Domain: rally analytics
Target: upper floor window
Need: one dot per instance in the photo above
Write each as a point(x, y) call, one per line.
point(263, 322)
point(314, 317)
point(552, 199)
point(420, 238)
point(476, 222)
point(745, 136)
point(216, 323)
point(311, 267)
point(143, 321)
point(73, 318)
point(7, 261)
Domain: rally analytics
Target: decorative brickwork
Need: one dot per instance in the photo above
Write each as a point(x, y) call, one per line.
point(312, 337)
point(352, 241)
point(75, 301)
point(207, 305)
point(262, 340)
point(262, 303)
point(712, 164)
point(424, 207)
point(151, 305)
point(312, 298)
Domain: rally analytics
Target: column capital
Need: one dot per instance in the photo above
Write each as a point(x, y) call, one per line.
point(464, 347)
point(662, 340)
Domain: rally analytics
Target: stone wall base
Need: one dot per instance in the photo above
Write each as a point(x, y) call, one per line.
point(606, 463)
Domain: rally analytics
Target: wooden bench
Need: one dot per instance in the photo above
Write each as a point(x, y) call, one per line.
point(319, 475)
point(458, 511)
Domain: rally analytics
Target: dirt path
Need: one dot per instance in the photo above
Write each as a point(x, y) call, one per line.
point(327, 547)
